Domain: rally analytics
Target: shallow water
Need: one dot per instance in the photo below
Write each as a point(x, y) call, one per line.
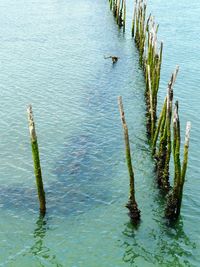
point(52, 55)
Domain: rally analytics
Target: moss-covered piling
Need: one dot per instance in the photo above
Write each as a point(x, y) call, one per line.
point(111, 4)
point(118, 8)
point(134, 212)
point(159, 127)
point(174, 198)
point(144, 33)
point(124, 15)
point(134, 19)
point(186, 148)
point(164, 153)
point(36, 161)
point(139, 26)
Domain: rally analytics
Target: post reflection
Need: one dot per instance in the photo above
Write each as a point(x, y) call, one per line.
point(165, 246)
point(39, 249)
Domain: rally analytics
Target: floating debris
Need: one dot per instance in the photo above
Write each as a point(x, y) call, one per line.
point(114, 58)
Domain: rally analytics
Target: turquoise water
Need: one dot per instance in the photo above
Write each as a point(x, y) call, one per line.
point(52, 56)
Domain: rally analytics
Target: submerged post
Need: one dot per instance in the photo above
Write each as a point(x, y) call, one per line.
point(134, 212)
point(36, 160)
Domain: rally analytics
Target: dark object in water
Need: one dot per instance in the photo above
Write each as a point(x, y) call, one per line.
point(114, 58)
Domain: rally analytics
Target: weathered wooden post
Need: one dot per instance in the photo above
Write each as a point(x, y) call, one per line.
point(111, 4)
point(124, 15)
point(36, 160)
point(186, 148)
point(151, 104)
point(134, 212)
point(159, 127)
point(164, 153)
point(134, 19)
point(118, 8)
point(174, 199)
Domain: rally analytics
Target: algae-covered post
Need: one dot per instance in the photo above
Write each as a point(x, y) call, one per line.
point(139, 27)
point(152, 60)
point(151, 104)
point(36, 160)
point(134, 212)
point(134, 19)
point(124, 15)
point(111, 4)
point(186, 147)
point(174, 199)
point(118, 2)
point(144, 32)
point(118, 8)
point(161, 122)
point(164, 152)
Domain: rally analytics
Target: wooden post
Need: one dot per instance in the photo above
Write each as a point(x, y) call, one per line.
point(120, 17)
point(164, 152)
point(159, 66)
point(151, 111)
point(186, 147)
point(111, 4)
point(134, 19)
point(174, 199)
point(171, 211)
point(36, 160)
point(114, 7)
point(124, 15)
point(118, 11)
point(134, 212)
point(185, 162)
point(158, 128)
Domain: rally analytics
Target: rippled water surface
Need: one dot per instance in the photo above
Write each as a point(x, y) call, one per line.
point(52, 55)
